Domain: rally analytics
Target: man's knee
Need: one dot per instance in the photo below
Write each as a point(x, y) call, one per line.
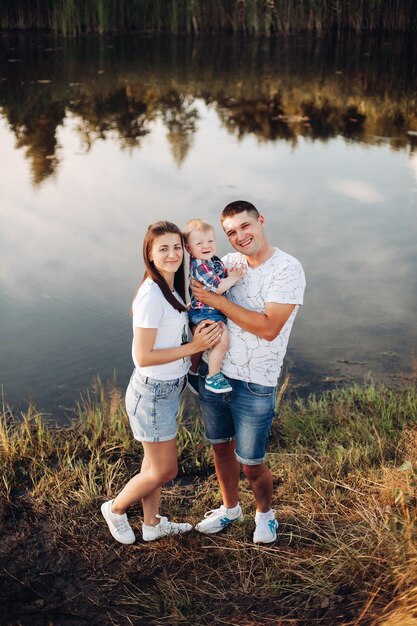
point(252, 472)
point(224, 451)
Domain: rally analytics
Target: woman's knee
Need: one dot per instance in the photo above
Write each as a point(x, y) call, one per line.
point(165, 473)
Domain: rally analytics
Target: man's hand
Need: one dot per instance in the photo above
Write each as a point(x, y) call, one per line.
point(203, 295)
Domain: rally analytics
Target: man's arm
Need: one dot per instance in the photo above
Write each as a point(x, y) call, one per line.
point(266, 325)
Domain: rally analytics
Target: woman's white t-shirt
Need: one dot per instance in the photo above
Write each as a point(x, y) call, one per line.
point(152, 310)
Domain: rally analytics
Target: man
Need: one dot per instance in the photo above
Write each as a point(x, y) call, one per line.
point(260, 309)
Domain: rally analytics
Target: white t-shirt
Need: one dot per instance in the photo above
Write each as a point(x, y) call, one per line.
point(280, 279)
point(152, 310)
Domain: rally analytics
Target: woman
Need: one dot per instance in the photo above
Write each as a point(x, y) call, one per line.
point(161, 356)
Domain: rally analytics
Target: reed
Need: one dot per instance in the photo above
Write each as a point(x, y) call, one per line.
point(248, 17)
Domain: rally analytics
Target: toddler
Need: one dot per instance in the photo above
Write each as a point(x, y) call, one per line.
point(207, 268)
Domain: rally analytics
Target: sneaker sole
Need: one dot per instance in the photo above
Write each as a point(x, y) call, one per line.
point(180, 532)
point(104, 514)
point(269, 541)
point(218, 530)
point(218, 391)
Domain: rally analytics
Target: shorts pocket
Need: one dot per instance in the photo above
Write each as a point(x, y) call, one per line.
point(260, 390)
point(132, 400)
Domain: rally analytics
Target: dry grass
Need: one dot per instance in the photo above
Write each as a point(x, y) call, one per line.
point(344, 467)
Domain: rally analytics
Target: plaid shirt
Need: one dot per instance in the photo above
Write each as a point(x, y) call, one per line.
point(210, 274)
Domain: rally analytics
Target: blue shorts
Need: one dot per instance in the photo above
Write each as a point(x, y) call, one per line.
point(244, 414)
point(152, 406)
point(200, 315)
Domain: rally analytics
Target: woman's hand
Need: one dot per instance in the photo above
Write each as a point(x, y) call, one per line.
point(206, 335)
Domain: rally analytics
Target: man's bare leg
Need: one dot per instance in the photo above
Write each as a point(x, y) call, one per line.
point(228, 472)
point(260, 480)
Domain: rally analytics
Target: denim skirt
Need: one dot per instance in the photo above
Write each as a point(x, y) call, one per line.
point(152, 406)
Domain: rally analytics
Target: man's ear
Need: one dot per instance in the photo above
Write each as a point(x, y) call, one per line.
point(261, 219)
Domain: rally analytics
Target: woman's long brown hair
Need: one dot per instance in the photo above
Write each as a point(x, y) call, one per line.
point(154, 231)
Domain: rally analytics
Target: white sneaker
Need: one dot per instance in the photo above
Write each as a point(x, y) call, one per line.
point(214, 521)
point(265, 527)
point(118, 524)
point(164, 528)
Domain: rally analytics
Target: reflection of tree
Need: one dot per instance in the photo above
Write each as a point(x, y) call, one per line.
point(126, 112)
point(266, 89)
point(262, 117)
point(180, 118)
point(34, 123)
point(322, 119)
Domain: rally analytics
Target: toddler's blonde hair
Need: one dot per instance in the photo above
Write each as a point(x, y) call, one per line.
point(195, 224)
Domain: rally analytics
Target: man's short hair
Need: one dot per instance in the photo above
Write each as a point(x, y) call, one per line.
point(195, 224)
point(238, 207)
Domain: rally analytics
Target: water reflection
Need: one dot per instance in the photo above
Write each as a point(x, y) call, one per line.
point(129, 130)
point(363, 90)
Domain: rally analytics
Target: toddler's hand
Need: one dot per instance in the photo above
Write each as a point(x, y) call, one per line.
point(236, 272)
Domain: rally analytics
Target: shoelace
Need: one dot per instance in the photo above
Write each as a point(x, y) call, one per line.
point(213, 512)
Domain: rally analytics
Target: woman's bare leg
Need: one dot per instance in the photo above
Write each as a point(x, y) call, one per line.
point(160, 467)
point(151, 502)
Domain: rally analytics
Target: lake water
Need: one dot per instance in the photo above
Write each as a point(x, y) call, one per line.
point(101, 136)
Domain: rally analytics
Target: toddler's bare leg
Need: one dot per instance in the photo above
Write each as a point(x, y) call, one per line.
point(217, 353)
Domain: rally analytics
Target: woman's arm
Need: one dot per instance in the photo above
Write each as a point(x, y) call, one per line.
point(206, 336)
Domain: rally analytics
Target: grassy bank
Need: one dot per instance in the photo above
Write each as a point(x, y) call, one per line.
point(249, 17)
point(344, 467)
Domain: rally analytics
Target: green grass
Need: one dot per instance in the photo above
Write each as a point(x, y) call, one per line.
point(344, 467)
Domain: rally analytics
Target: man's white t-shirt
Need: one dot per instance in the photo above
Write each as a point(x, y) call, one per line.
point(152, 310)
point(280, 280)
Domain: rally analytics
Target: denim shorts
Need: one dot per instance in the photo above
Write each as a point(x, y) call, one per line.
point(244, 414)
point(200, 315)
point(152, 406)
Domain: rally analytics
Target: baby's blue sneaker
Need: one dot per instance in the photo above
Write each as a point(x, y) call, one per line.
point(217, 384)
